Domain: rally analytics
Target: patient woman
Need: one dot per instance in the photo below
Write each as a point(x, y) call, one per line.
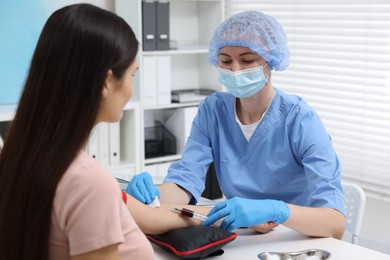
point(56, 202)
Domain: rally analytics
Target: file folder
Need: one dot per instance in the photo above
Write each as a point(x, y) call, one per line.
point(114, 140)
point(149, 23)
point(149, 78)
point(162, 25)
point(104, 144)
point(163, 80)
point(93, 143)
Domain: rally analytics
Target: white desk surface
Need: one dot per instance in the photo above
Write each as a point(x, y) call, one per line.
point(249, 244)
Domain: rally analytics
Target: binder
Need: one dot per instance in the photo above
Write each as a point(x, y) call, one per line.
point(103, 139)
point(149, 77)
point(162, 25)
point(93, 143)
point(114, 142)
point(163, 80)
point(149, 23)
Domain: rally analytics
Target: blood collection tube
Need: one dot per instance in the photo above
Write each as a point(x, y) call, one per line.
point(190, 213)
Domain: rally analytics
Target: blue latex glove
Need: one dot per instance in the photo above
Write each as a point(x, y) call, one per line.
point(142, 188)
point(240, 212)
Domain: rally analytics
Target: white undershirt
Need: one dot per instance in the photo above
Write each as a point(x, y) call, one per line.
point(248, 130)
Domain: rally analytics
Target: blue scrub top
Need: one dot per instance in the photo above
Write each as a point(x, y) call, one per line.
point(289, 157)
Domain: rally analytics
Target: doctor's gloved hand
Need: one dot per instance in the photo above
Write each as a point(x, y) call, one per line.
point(142, 188)
point(239, 212)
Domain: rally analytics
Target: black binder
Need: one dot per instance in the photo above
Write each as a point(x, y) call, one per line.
point(162, 25)
point(149, 24)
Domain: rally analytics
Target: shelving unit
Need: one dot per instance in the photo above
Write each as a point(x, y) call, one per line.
point(130, 140)
point(192, 23)
point(130, 159)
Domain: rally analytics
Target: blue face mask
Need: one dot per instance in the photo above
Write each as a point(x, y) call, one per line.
point(243, 83)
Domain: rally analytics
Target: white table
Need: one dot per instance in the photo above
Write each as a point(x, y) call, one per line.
point(249, 244)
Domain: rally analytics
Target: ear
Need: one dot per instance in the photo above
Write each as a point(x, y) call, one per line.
point(108, 84)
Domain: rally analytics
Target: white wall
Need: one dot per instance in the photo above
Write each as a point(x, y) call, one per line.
point(375, 232)
point(105, 4)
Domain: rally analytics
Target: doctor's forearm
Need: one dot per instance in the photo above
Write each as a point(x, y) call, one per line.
point(316, 222)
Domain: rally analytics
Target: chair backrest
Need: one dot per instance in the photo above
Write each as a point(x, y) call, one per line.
point(355, 201)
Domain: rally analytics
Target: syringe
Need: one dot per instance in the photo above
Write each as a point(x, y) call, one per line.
point(190, 213)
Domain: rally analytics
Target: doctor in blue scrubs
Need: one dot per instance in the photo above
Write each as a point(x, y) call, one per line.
point(274, 160)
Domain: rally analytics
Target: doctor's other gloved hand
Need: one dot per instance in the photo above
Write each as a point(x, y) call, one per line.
point(239, 212)
point(142, 188)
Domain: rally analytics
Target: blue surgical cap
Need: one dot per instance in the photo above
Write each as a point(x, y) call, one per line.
point(254, 30)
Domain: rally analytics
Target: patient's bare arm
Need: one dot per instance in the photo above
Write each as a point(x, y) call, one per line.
point(162, 219)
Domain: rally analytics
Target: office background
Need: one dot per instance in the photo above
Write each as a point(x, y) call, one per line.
point(340, 63)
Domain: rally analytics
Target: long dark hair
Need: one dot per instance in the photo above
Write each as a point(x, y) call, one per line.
point(56, 113)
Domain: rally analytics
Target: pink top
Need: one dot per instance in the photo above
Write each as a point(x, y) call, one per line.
point(89, 214)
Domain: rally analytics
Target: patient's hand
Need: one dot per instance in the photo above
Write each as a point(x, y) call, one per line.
point(264, 228)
